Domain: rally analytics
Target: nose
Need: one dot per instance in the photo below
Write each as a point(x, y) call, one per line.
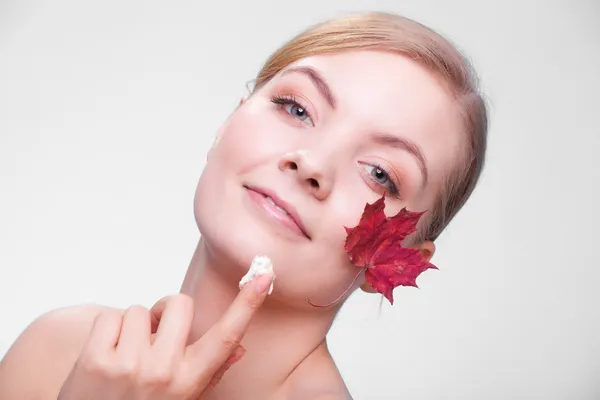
point(311, 175)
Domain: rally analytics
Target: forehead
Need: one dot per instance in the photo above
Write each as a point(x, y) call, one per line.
point(383, 91)
point(362, 79)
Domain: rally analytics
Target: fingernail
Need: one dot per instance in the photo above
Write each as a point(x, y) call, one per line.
point(263, 282)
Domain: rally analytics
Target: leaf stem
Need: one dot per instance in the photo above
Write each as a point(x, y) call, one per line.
point(341, 296)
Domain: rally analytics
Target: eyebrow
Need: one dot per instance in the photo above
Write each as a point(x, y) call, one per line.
point(317, 80)
point(404, 144)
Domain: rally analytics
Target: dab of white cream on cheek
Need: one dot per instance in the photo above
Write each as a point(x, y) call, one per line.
point(260, 266)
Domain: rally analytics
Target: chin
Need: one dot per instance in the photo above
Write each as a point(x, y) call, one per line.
point(301, 273)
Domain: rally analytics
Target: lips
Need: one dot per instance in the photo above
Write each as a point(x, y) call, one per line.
point(287, 210)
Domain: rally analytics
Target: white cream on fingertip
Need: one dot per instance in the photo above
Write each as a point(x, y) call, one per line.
point(260, 266)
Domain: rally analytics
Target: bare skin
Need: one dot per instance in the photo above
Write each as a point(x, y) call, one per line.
point(51, 347)
point(385, 125)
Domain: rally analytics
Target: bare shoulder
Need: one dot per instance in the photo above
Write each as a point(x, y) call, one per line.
point(317, 378)
point(41, 358)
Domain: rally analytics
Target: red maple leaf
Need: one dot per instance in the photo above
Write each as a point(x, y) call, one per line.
point(374, 245)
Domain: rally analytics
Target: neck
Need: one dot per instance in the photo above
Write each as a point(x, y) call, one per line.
point(278, 339)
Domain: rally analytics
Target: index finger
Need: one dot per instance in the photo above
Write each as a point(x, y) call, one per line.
point(212, 350)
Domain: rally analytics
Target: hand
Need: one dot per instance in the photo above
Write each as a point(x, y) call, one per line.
point(141, 354)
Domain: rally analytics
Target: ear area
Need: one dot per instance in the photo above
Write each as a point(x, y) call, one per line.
point(427, 250)
point(367, 288)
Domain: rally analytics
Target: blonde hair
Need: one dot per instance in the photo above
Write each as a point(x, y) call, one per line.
point(397, 34)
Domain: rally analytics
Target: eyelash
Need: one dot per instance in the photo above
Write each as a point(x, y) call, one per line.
point(290, 100)
point(284, 100)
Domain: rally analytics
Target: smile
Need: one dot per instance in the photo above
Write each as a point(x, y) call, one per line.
point(276, 210)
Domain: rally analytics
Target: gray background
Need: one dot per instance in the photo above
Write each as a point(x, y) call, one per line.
point(107, 109)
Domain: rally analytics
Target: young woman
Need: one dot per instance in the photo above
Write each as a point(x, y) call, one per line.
point(351, 110)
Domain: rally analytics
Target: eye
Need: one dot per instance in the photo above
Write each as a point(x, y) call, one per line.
point(294, 108)
point(381, 177)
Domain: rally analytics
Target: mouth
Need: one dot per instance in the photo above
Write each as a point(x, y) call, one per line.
point(282, 212)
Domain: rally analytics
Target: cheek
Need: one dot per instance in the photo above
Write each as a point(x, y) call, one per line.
point(249, 139)
point(252, 135)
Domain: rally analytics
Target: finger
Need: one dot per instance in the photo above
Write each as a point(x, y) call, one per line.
point(135, 331)
point(105, 331)
point(156, 314)
point(235, 356)
point(171, 321)
point(211, 351)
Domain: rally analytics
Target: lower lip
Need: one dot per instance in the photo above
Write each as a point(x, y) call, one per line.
point(274, 214)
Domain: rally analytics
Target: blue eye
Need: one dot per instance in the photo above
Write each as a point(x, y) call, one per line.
point(381, 177)
point(297, 111)
point(291, 106)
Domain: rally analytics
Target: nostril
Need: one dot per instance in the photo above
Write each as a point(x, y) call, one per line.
point(293, 165)
point(314, 183)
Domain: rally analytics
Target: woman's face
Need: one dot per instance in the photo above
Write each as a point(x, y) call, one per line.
point(299, 160)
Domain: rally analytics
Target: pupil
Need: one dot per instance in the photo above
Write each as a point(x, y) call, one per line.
point(299, 111)
point(379, 174)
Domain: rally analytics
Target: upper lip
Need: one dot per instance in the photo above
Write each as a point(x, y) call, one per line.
point(290, 209)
